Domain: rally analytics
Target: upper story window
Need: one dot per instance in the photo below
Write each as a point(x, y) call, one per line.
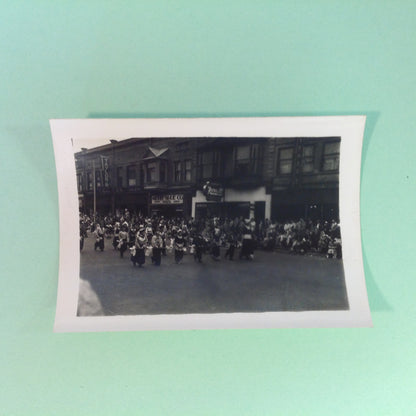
point(80, 182)
point(151, 172)
point(98, 180)
point(155, 172)
point(209, 164)
point(308, 158)
point(188, 170)
point(131, 176)
point(178, 171)
point(242, 160)
point(120, 177)
point(330, 157)
point(285, 161)
point(247, 160)
point(89, 181)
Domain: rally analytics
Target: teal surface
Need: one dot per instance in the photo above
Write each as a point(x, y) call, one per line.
point(206, 58)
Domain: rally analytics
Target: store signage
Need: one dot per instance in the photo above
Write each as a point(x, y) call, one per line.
point(213, 191)
point(168, 199)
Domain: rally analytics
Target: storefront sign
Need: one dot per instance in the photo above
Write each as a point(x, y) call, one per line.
point(169, 199)
point(213, 191)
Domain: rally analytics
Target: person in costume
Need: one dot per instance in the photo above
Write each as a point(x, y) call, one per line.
point(231, 243)
point(215, 248)
point(99, 238)
point(199, 244)
point(157, 246)
point(116, 235)
point(140, 244)
point(179, 245)
point(123, 240)
point(247, 245)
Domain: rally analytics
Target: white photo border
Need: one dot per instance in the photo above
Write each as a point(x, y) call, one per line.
point(349, 128)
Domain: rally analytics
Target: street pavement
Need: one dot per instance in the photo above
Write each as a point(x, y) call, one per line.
point(273, 281)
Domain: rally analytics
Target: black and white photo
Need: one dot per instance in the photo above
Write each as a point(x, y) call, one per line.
point(209, 223)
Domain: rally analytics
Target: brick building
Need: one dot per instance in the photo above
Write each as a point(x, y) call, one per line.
point(278, 178)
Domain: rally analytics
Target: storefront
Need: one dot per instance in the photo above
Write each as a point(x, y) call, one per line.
point(170, 204)
point(319, 204)
point(232, 203)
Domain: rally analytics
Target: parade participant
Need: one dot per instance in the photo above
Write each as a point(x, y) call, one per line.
point(99, 238)
point(140, 244)
point(231, 243)
point(157, 243)
point(149, 231)
point(132, 234)
point(123, 240)
point(116, 235)
point(162, 229)
point(179, 245)
point(215, 250)
point(247, 247)
point(199, 244)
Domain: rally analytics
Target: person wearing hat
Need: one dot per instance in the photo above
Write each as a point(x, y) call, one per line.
point(99, 238)
point(179, 246)
point(157, 244)
point(247, 247)
point(123, 238)
point(140, 243)
point(116, 235)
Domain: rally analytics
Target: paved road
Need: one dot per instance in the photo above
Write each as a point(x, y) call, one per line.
point(271, 282)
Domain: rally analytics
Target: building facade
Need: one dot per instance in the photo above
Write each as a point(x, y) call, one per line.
point(277, 178)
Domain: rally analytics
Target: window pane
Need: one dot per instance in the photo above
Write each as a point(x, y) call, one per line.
point(98, 178)
point(243, 152)
point(187, 170)
point(207, 157)
point(162, 172)
point(307, 158)
point(131, 176)
point(331, 156)
point(307, 151)
point(286, 154)
point(207, 171)
point(151, 172)
point(286, 167)
point(177, 171)
point(285, 160)
point(331, 148)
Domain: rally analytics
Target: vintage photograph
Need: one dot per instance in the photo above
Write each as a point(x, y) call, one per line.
point(209, 225)
point(195, 221)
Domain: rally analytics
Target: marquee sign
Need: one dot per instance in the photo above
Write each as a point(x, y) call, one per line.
point(213, 191)
point(168, 199)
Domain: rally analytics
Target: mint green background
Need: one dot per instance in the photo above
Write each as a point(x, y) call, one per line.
point(74, 59)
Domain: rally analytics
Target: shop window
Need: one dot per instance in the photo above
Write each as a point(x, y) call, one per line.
point(285, 162)
point(330, 161)
point(307, 158)
point(188, 170)
point(178, 172)
point(131, 176)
